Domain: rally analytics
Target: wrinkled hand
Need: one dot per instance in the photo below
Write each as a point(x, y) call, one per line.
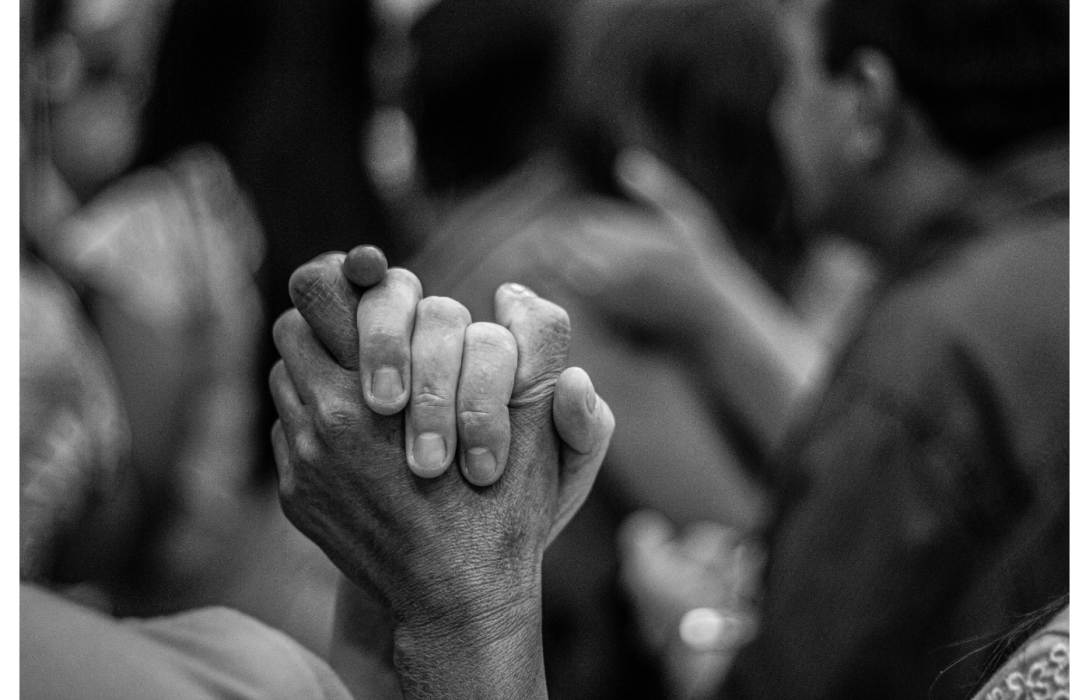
point(364, 482)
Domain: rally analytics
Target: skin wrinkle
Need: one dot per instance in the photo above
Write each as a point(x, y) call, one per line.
point(512, 538)
point(454, 560)
point(433, 397)
point(495, 339)
point(336, 417)
point(530, 387)
point(481, 413)
point(332, 299)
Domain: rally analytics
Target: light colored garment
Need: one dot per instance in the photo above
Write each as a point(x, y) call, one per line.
point(68, 651)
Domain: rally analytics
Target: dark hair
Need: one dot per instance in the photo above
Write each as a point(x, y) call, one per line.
point(987, 73)
point(46, 18)
point(478, 94)
point(1003, 648)
point(693, 82)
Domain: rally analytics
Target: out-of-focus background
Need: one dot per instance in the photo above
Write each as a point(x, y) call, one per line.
point(180, 158)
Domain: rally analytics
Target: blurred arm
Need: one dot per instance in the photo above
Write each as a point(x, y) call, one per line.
point(668, 452)
point(752, 350)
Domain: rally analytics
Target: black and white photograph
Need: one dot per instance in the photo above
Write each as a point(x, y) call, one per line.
point(529, 349)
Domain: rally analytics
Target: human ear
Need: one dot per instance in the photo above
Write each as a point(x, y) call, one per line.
point(875, 96)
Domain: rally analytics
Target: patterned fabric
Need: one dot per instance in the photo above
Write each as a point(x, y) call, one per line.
point(1039, 670)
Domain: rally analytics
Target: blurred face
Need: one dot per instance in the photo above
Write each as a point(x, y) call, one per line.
point(95, 74)
point(810, 118)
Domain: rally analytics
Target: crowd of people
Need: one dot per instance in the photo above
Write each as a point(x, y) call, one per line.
point(646, 349)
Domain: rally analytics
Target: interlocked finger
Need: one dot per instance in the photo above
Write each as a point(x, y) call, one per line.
point(304, 355)
point(281, 453)
point(327, 301)
point(431, 423)
point(284, 395)
point(385, 316)
point(488, 366)
point(542, 332)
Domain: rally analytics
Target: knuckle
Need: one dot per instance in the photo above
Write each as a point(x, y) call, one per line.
point(432, 397)
point(286, 488)
point(336, 416)
point(307, 450)
point(478, 413)
point(443, 311)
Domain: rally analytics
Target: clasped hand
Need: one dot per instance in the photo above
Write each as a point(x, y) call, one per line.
point(380, 391)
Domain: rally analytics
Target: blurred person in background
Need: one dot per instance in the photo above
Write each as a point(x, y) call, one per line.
point(691, 84)
point(284, 90)
point(162, 260)
point(518, 135)
point(480, 98)
point(503, 149)
point(73, 467)
point(140, 327)
point(923, 502)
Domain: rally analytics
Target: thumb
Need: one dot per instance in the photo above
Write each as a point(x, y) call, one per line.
point(585, 425)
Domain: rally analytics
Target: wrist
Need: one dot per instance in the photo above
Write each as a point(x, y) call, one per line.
point(481, 651)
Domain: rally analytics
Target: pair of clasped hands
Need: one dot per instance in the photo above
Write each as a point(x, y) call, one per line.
point(432, 458)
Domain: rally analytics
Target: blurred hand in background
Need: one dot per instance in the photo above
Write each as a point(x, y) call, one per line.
point(694, 592)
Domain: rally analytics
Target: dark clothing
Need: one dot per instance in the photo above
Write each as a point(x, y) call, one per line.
point(925, 506)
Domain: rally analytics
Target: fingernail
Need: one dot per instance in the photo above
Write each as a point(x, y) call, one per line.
point(591, 399)
point(386, 385)
point(481, 464)
point(520, 289)
point(429, 450)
